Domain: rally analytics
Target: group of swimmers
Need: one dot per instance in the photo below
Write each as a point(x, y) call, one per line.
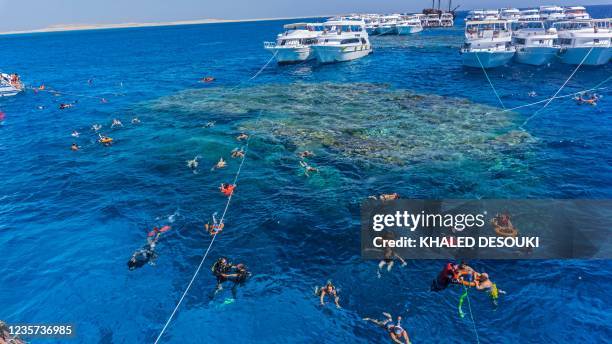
point(304, 155)
point(102, 139)
point(585, 98)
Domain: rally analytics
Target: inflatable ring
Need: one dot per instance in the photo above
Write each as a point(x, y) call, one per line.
point(504, 231)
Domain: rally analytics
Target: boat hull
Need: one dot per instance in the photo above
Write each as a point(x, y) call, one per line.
point(599, 56)
point(330, 54)
point(535, 56)
point(285, 55)
point(489, 59)
point(8, 91)
point(408, 30)
point(381, 31)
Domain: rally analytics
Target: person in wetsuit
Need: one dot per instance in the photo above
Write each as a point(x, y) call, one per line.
point(147, 253)
point(444, 278)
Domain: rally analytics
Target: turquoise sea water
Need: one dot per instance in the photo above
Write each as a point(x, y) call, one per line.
point(407, 119)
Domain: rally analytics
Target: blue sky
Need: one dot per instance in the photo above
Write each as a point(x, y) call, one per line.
point(32, 14)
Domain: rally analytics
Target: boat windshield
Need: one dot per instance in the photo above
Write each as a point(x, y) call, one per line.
point(575, 25)
point(527, 25)
point(484, 26)
point(343, 28)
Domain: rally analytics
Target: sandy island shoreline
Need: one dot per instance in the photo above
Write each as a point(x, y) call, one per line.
point(82, 27)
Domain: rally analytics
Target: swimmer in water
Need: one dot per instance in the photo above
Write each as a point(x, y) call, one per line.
point(135, 120)
point(220, 164)
point(214, 228)
point(306, 154)
point(238, 153)
point(328, 289)
point(96, 127)
point(193, 164)
point(221, 269)
point(238, 275)
point(116, 123)
point(63, 106)
point(7, 336)
point(75, 134)
point(209, 124)
point(307, 168)
point(207, 79)
point(242, 136)
point(105, 140)
point(147, 253)
point(74, 147)
point(385, 197)
point(227, 189)
point(395, 331)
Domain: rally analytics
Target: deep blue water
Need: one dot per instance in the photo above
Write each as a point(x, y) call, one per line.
point(70, 220)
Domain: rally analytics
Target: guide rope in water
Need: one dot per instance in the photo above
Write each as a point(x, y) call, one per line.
point(559, 90)
point(227, 204)
point(490, 83)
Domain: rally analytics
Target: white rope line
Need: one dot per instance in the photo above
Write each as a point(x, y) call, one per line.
point(489, 80)
point(472, 316)
point(229, 199)
point(563, 96)
point(559, 90)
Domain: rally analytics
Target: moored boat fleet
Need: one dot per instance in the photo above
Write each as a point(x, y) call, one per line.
point(347, 38)
point(536, 37)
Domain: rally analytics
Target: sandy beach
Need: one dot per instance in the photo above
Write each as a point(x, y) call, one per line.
point(79, 27)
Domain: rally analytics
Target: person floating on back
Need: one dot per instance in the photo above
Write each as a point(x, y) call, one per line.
point(147, 253)
point(396, 332)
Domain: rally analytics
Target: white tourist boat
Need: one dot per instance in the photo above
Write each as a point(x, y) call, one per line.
point(576, 13)
point(433, 20)
point(10, 85)
point(342, 40)
point(510, 14)
point(474, 15)
point(447, 20)
point(551, 14)
point(584, 41)
point(409, 25)
point(531, 14)
point(487, 44)
point(294, 44)
point(387, 25)
point(534, 44)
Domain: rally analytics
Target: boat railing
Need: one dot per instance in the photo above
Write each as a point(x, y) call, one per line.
point(269, 45)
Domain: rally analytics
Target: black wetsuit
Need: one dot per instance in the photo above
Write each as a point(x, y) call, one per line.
point(443, 279)
point(141, 257)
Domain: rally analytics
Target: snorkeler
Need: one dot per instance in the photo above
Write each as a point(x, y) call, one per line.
point(388, 260)
point(105, 140)
point(227, 189)
point(238, 153)
point(220, 164)
point(386, 197)
point(96, 127)
point(209, 124)
point(6, 336)
point(116, 123)
point(207, 79)
point(328, 289)
point(147, 253)
point(307, 168)
point(74, 147)
point(63, 106)
point(220, 269)
point(75, 134)
point(242, 136)
point(135, 120)
point(591, 100)
point(193, 163)
point(306, 154)
point(444, 278)
point(396, 332)
point(214, 228)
